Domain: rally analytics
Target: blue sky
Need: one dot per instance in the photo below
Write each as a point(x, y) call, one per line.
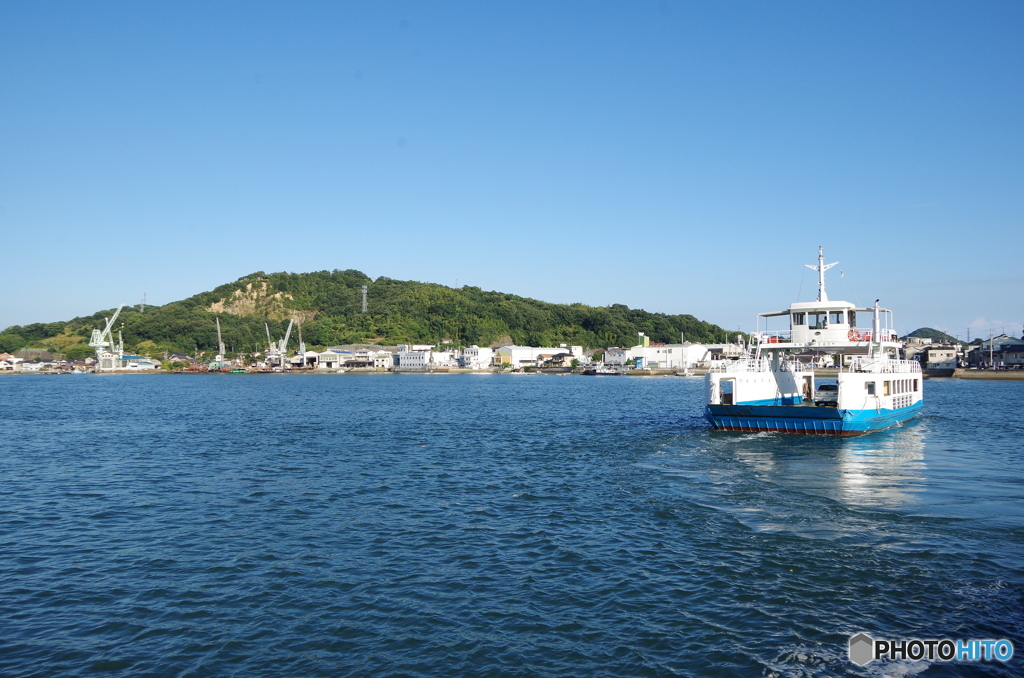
point(680, 157)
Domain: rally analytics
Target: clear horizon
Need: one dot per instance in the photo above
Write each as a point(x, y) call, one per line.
point(675, 157)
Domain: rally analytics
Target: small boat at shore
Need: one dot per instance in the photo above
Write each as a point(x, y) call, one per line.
point(772, 389)
point(605, 371)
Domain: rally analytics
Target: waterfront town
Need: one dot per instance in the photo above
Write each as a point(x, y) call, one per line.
point(1001, 352)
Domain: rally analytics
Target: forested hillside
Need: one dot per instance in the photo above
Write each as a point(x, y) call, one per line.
point(329, 306)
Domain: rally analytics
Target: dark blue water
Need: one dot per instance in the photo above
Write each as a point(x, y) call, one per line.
point(490, 525)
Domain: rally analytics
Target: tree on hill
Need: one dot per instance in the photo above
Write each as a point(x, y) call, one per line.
point(11, 342)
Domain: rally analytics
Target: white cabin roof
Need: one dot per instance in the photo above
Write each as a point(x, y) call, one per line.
point(820, 305)
point(824, 306)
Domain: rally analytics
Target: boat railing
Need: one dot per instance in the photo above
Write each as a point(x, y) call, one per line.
point(781, 337)
point(751, 364)
point(867, 335)
point(741, 365)
point(883, 365)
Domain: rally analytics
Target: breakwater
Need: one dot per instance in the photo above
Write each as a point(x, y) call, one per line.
point(1000, 375)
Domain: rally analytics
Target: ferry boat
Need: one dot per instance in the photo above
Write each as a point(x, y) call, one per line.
point(772, 389)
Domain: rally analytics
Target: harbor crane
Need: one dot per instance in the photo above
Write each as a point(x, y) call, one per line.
point(284, 342)
point(104, 340)
point(220, 343)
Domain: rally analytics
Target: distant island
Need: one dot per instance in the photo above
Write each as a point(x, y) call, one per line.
point(328, 305)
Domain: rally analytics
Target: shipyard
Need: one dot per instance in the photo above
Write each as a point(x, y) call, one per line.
point(999, 357)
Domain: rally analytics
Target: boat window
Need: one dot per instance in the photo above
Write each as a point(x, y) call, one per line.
point(798, 318)
point(886, 388)
point(853, 319)
point(915, 386)
point(816, 321)
point(835, 318)
point(871, 387)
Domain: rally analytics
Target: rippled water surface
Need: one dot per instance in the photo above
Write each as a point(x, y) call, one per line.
point(490, 525)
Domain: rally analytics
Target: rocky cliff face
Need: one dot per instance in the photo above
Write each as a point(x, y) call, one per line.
point(256, 300)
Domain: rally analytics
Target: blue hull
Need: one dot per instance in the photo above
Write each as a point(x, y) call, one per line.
point(806, 418)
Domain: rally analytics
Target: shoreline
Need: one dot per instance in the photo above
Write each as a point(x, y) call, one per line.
point(959, 373)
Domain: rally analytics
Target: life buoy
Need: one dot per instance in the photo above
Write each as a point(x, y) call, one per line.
point(773, 340)
point(853, 335)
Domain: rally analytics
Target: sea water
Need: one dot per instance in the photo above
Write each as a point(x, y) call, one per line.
point(491, 525)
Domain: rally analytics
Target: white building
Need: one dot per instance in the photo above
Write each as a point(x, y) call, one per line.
point(526, 356)
point(940, 358)
point(427, 360)
point(332, 359)
point(476, 358)
point(413, 360)
point(375, 359)
point(661, 356)
point(9, 363)
point(444, 358)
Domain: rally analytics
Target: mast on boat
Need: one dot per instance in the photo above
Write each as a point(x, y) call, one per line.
point(821, 268)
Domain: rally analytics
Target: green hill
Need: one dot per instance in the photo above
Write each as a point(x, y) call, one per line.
point(935, 335)
point(329, 304)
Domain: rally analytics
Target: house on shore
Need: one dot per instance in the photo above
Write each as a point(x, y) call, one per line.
point(1003, 351)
